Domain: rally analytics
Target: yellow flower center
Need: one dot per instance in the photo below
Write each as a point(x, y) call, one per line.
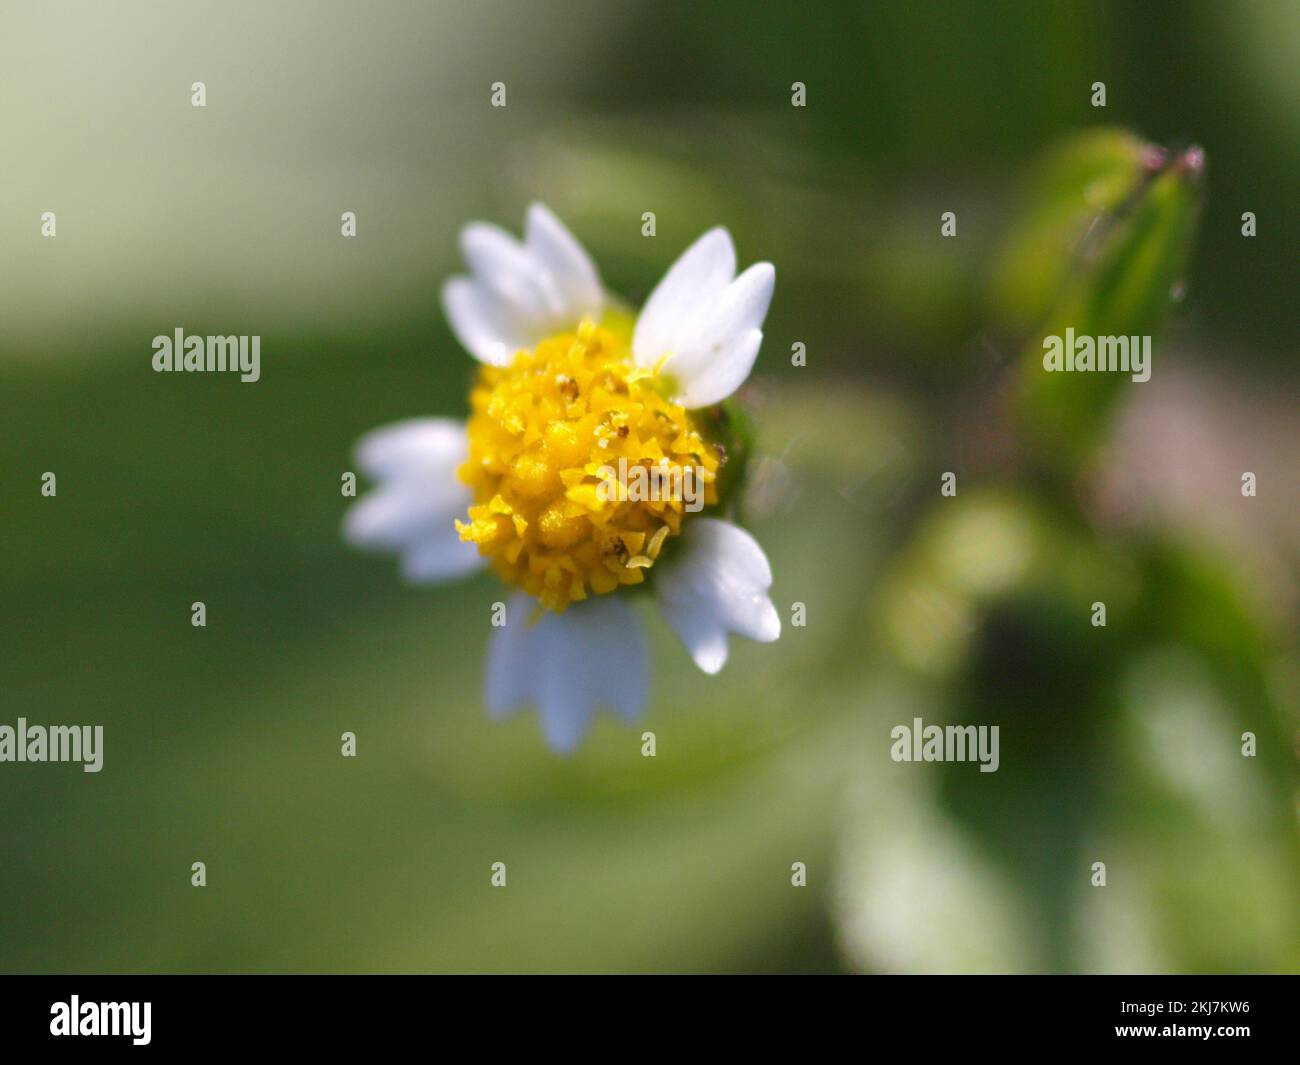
point(554, 509)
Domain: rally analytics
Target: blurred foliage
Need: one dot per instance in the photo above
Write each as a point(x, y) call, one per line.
point(1109, 751)
point(1118, 743)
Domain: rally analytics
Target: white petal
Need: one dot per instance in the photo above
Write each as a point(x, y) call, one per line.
point(414, 508)
point(510, 271)
point(565, 260)
point(717, 584)
point(399, 515)
point(567, 665)
point(415, 445)
point(725, 370)
point(507, 680)
point(708, 324)
point(520, 293)
point(441, 556)
point(700, 633)
point(482, 322)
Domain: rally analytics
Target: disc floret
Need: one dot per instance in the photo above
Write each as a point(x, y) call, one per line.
point(544, 434)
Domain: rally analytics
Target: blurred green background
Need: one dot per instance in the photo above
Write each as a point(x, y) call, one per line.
point(1119, 744)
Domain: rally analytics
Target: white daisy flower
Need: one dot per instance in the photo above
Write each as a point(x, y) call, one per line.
point(570, 390)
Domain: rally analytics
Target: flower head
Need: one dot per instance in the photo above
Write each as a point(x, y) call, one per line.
point(542, 431)
point(570, 391)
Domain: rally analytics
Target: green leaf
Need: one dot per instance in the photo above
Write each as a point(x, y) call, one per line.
point(1102, 250)
point(1078, 183)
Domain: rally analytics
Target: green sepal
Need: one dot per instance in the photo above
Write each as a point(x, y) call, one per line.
point(727, 426)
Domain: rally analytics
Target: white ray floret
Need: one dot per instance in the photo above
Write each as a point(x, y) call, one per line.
point(717, 584)
point(414, 508)
point(703, 322)
point(519, 293)
point(567, 665)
